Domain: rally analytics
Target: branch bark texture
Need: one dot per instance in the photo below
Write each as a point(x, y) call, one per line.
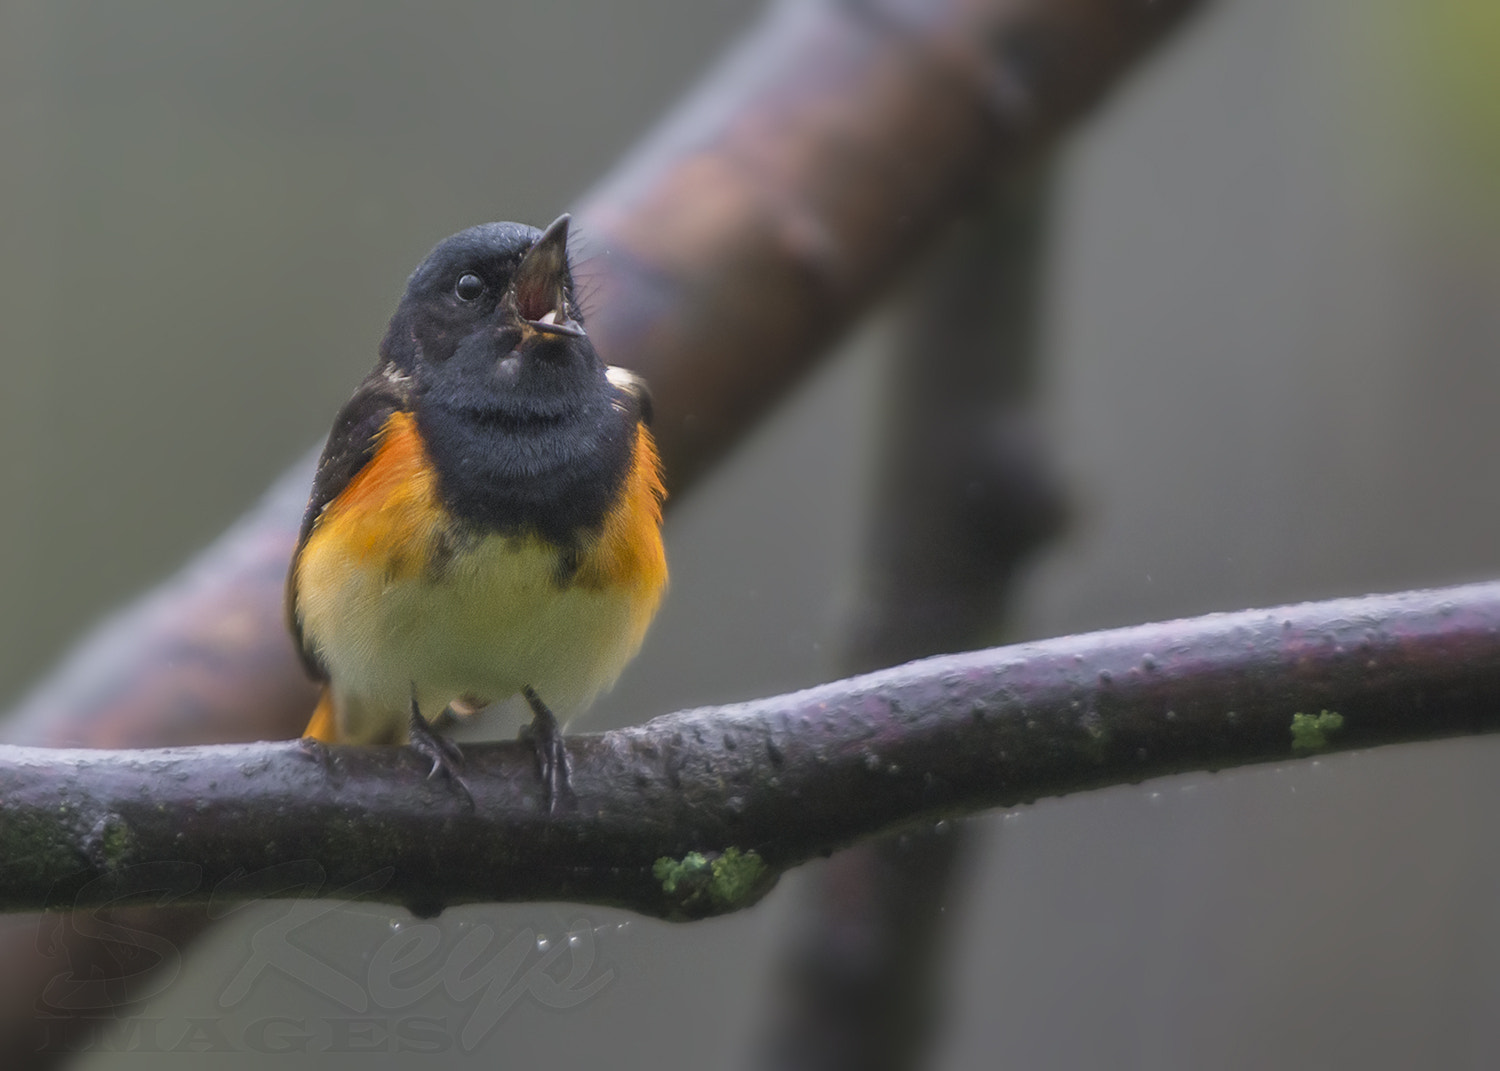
point(696, 813)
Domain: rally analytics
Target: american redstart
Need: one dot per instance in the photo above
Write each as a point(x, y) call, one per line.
point(486, 515)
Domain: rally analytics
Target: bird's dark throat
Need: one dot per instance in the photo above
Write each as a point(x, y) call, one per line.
point(557, 475)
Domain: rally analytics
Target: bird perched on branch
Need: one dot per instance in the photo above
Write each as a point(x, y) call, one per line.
point(486, 515)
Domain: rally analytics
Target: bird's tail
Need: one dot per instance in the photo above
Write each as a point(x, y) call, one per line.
point(322, 726)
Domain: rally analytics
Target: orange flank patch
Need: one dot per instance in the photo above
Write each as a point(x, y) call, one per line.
point(388, 516)
point(629, 551)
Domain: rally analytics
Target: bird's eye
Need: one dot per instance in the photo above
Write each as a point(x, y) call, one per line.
point(469, 287)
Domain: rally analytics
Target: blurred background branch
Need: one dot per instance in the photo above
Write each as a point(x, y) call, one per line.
point(964, 495)
point(1266, 367)
point(740, 239)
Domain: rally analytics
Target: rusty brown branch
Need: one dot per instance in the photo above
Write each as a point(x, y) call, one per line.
point(741, 237)
point(812, 169)
point(751, 229)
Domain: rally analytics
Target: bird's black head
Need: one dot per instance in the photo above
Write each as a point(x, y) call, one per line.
point(515, 408)
point(489, 326)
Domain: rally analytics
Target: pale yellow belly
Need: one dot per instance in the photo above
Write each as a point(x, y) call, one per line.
point(494, 622)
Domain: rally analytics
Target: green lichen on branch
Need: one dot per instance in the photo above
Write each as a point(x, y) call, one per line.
point(1311, 733)
point(674, 873)
point(730, 880)
point(739, 878)
point(111, 842)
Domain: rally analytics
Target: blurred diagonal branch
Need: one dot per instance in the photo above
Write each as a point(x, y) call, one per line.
point(697, 813)
point(808, 172)
point(813, 168)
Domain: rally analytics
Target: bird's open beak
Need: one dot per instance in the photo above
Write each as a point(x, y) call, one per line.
point(541, 284)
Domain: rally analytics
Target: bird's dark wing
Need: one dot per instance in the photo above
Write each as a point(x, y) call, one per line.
point(631, 393)
point(350, 446)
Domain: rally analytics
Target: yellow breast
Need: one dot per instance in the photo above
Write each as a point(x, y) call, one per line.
point(392, 594)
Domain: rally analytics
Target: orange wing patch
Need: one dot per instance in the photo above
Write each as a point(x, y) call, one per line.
point(388, 516)
point(629, 553)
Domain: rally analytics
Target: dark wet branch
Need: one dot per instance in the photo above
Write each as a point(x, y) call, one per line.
point(767, 784)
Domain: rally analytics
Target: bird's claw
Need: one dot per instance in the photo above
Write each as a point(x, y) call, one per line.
point(445, 755)
point(546, 737)
point(314, 750)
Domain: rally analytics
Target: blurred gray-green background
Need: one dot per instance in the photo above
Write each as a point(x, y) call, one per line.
point(1271, 332)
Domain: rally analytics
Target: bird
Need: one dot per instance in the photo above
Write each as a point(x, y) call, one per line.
point(485, 518)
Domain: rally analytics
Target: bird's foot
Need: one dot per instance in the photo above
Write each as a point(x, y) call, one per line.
point(314, 750)
point(546, 738)
point(444, 754)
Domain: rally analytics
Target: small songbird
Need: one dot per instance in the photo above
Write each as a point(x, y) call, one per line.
point(486, 516)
